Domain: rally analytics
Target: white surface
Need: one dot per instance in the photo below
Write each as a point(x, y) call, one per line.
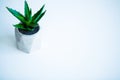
point(80, 40)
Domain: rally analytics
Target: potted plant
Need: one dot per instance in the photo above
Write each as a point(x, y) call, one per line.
point(28, 27)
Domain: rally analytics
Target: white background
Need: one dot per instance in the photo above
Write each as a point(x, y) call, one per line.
point(80, 40)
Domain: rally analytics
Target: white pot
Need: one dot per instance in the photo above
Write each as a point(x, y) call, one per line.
point(24, 42)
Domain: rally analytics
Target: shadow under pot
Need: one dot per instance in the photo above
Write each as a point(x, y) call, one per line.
point(24, 39)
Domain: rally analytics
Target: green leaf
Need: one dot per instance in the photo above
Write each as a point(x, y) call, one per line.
point(37, 14)
point(28, 12)
point(33, 24)
point(20, 26)
point(30, 16)
point(18, 15)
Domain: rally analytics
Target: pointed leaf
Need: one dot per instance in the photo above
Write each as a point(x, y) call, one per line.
point(20, 26)
point(30, 12)
point(18, 15)
point(30, 15)
point(39, 17)
point(26, 12)
point(37, 13)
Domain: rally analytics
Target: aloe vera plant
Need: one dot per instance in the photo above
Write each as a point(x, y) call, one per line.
point(27, 21)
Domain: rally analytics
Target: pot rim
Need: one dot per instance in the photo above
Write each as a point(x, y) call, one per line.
point(30, 33)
